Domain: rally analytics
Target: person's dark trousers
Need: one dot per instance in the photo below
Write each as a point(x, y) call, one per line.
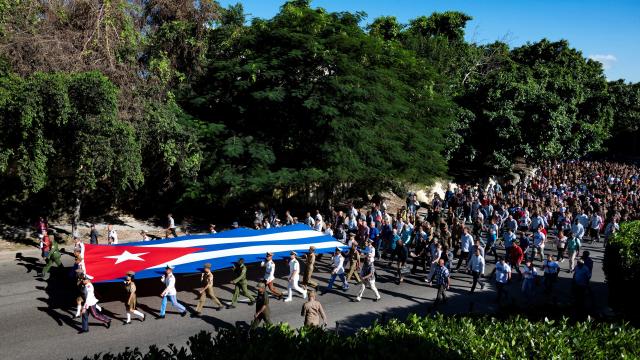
point(419, 261)
point(463, 256)
point(507, 252)
point(560, 254)
point(501, 290)
point(549, 280)
point(96, 315)
point(173, 232)
point(476, 280)
point(516, 267)
point(441, 296)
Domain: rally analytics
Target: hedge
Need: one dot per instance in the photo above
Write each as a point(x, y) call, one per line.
point(622, 268)
point(437, 337)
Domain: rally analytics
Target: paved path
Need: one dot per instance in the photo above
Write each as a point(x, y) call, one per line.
point(37, 315)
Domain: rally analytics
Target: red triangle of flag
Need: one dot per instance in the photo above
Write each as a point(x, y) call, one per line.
point(105, 262)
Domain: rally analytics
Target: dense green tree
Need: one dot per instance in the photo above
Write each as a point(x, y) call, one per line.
point(309, 101)
point(547, 102)
point(625, 100)
point(60, 134)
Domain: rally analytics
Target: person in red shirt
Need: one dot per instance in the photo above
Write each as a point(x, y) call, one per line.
point(46, 245)
point(517, 255)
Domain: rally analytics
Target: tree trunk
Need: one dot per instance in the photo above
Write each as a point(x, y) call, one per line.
point(76, 216)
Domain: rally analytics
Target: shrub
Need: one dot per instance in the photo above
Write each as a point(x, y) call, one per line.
point(436, 337)
point(622, 267)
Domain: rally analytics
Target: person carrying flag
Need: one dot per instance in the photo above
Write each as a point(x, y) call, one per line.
point(240, 282)
point(131, 299)
point(169, 293)
point(206, 278)
point(90, 306)
point(294, 277)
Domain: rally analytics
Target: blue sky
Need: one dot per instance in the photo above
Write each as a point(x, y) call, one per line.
point(606, 30)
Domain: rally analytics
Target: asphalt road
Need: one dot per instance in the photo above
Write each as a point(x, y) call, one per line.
point(37, 323)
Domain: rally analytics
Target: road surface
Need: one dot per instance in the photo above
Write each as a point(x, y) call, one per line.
point(37, 315)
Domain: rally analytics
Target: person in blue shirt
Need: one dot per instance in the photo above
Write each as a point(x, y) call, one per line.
point(581, 276)
point(551, 270)
point(374, 236)
point(466, 242)
point(509, 237)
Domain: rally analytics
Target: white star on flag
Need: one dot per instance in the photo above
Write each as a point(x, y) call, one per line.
point(126, 256)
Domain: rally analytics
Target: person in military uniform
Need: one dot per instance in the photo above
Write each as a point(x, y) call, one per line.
point(310, 262)
point(269, 277)
point(52, 258)
point(263, 313)
point(240, 282)
point(313, 312)
point(354, 263)
point(89, 306)
point(131, 299)
point(80, 289)
point(206, 279)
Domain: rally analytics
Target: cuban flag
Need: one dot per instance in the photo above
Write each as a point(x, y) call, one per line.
point(188, 254)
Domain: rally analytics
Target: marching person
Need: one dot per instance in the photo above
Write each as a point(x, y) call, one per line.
point(310, 262)
point(368, 278)
point(78, 245)
point(550, 268)
point(131, 300)
point(476, 266)
point(294, 277)
point(90, 302)
point(169, 293)
point(206, 279)
point(466, 242)
point(503, 276)
point(171, 226)
point(313, 312)
point(79, 275)
point(529, 275)
point(263, 313)
point(441, 277)
point(337, 271)
point(240, 282)
point(354, 263)
point(112, 235)
point(269, 275)
point(401, 253)
point(573, 248)
point(52, 258)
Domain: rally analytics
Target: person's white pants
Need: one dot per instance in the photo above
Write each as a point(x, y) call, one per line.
point(372, 285)
point(293, 285)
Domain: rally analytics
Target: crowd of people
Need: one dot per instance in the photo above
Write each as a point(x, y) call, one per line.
point(530, 227)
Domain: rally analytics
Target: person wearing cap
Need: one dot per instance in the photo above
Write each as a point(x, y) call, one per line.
point(78, 245)
point(169, 293)
point(337, 271)
point(131, 299)
point(90, 306)
point(354, 263)
point(367, 272)
point(263, 313)
point(313, 312)
point(206, 279)
point(310, 262)
point(294, 277)
point(240, 282)
point(52, 258)
point(269, 275)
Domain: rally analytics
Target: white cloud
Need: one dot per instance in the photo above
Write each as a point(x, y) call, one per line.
point(607, 60)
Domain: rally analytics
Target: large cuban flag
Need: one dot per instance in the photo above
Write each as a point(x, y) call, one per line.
point(187, 254)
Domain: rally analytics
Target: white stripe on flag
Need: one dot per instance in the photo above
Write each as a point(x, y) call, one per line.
point(248, 250)
point(287, 235)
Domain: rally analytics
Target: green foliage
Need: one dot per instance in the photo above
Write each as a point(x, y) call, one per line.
point(308, 99)
point(60, 133)
point(625, 98)
point(425, 338)
point(547, 102)
point(622, 267)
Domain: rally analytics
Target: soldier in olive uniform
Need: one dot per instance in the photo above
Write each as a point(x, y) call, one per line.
point(131, 299)
point(263, 312)
point(52, 258)
point(240, 282)
point(206, 279)
point(354, 263)
point(308, 271)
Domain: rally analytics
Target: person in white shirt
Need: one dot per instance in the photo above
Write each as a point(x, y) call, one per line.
point(538, 241)
point(529, 274)
point(112, 235)
point(78, 246)
point(90, 306)
point(169, 292)
point(577, 229)
point(269, 275)
point(436, 254)
point(466, 241)
point(503, 276)
point(583, 219)
point(611, 228)
point(337, 271)
point(595, 223)
point(294, 278)
point(171, 226)
point(476, 266)
point(369, 250)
